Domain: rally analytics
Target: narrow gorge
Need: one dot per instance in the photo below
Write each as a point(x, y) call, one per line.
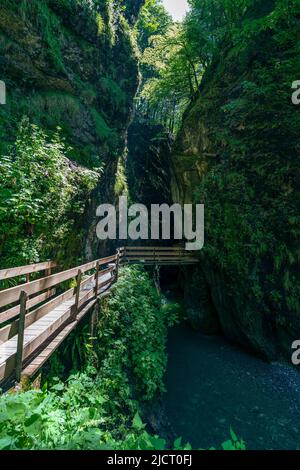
point(109, 98)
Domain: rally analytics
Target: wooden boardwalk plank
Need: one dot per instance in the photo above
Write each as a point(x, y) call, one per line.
point(42, 358)
point(37, 332)
point(14, 311)
point(52, 319)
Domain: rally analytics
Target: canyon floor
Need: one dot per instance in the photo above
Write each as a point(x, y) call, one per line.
point(212, 385)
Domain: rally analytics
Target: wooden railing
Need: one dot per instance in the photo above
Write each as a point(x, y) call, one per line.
point(159, 255)
point(27, 270)
point(36, 319)
point(10, 273)
point(36, 300)
point(11, 295)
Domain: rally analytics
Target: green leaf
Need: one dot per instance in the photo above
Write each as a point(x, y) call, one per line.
point(15, 409)
point(228, 445)
point(158, 443)
point(233, 435)
point(137, 423)
point(6, 443)
point(33, 424)
point(177, 443)
point(101, 400)
point(58, 387)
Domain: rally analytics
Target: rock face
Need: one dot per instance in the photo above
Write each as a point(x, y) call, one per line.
point(199, 305)
point(238, 153)
point(72, 64)
point(148, 165)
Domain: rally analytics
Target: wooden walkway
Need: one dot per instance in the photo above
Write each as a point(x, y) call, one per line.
point(158, 255)
point(37, 316)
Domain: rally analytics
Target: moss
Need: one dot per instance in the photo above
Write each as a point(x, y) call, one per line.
point(114, 91)
point(100, 24)
point(244, 133)
point(111, 31)
point(121, 186)
point(49, 25)
point(102, 129)
point(68, 63)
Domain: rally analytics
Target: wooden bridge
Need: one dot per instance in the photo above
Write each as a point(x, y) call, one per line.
point(38, 313)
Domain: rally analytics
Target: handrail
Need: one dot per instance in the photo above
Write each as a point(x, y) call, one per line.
point(155, 248)
point(13, 312)
point(159, 255)
point(29, 304)
point(64, 309)
point(12, 294)
point(10, 273)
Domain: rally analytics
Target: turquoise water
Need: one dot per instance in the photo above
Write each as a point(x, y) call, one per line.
point(212, 385)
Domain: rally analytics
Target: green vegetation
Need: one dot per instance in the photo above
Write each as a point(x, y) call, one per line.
point(170, 68)
point(251, 191)
point(170, 57)
point(62, 69)
point(220, 82)
point(46, 21)
point(41, 199)
point(102, 129)
point(228, 71)
point(82, 75)
point(100, 408)
point(153, 20)
point(112, 88)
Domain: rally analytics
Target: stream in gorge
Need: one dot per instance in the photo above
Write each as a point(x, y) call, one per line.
point(213, 385)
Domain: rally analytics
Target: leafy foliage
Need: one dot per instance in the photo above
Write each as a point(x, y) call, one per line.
point(40, 197)
point(146, 323)
point(170, 57)
point(153, 20)
point(74, 418)
point(248, 151)
point(210, 23)
point(166, 56)
point(100, 407)
point(240, 137)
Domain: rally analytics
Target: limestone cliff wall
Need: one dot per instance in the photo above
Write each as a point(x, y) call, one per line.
point(238, 153)
point(72, 64)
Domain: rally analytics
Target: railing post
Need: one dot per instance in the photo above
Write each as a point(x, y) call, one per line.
point(48, 272)
point(97, 279)
point(77, 294)
point(20, 344)
point(117, 264)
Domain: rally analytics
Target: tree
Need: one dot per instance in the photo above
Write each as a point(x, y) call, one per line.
point(175, 76)
point(153, 20)
point(210, 23)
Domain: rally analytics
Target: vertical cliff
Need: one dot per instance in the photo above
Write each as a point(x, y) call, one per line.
point(148, 166)
point(238, 153)
point(70, 64)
